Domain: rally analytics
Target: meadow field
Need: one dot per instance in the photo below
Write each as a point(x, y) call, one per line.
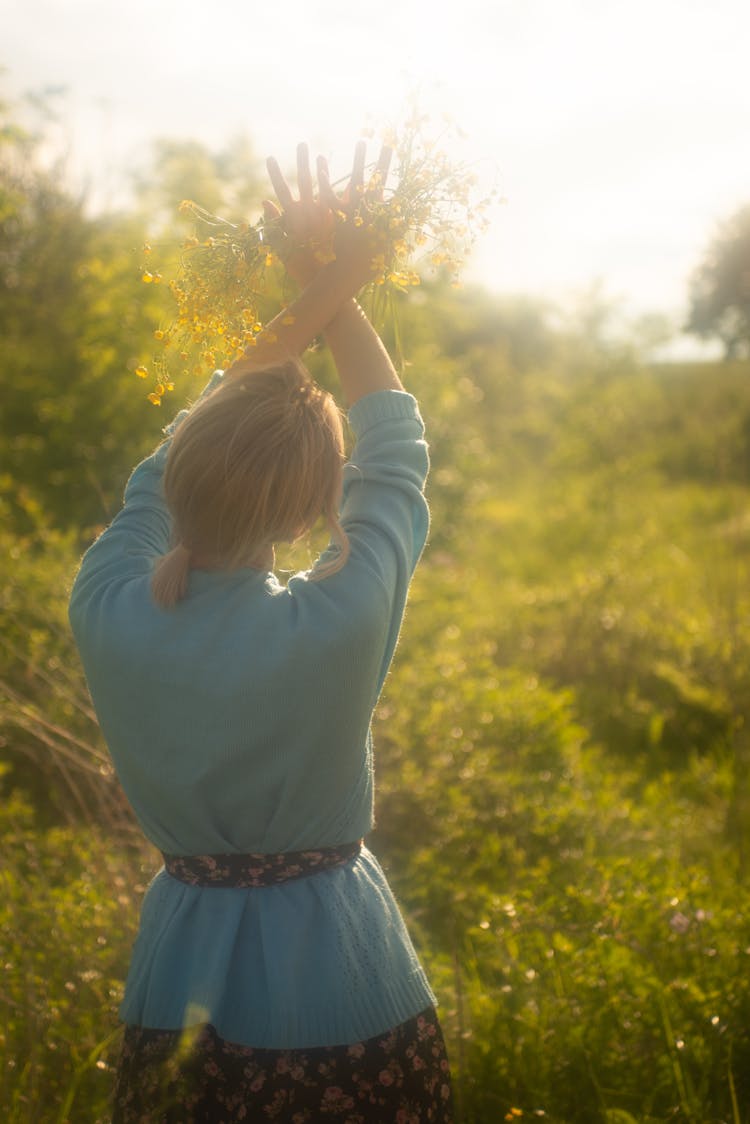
point(563, 745)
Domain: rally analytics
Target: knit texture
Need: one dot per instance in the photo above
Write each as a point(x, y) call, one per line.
point(239, 721)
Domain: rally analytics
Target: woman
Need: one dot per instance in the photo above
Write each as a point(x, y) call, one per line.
point(272, 976)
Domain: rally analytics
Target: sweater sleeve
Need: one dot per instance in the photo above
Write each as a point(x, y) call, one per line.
point(386, 518)
point(142, 528)
point(145, 517)
point(384, 481)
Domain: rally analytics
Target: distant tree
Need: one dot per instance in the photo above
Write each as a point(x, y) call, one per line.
point(76, 319)
point(229, 182)
point(71, 317)
point(720, 288)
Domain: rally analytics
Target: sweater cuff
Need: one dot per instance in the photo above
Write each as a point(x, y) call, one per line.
point(383, 405)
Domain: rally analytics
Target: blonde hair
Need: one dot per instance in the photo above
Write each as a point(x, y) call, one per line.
point(256, 463)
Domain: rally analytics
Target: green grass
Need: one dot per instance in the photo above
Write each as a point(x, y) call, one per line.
point(563, 766)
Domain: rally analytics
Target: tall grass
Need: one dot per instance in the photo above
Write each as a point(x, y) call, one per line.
point(563, 788)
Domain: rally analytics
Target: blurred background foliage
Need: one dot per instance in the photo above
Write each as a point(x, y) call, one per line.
point(563, 780)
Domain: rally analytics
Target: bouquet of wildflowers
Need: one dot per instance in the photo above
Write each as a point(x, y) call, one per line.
point(228, 282)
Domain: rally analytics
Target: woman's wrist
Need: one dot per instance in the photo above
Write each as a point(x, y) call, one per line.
point(301, 267)
point(297, 325)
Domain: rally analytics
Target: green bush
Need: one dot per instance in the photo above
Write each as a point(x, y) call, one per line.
point(68, 913)
point(584, 932)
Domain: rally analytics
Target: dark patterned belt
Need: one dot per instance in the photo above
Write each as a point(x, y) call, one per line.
point(253, 871)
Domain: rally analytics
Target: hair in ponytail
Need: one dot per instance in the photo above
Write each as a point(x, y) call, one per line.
point(339, 539)
point(170, 577)
point(255, 463)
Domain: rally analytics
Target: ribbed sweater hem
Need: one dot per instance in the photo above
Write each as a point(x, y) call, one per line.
point(365, 1017)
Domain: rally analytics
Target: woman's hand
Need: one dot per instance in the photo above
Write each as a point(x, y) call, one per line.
point(302, 231)
point(343, 227)
point(312, 231)
point(356, 197)
point(357, 241)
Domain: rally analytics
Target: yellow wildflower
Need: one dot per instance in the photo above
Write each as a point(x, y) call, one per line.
point(142, 372)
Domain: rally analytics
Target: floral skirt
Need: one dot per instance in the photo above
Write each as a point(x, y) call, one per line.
point(195, 1077)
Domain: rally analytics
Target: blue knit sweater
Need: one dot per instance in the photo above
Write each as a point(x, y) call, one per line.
point(239, 721)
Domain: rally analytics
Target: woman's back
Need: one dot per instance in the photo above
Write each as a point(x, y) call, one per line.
point(238, 721)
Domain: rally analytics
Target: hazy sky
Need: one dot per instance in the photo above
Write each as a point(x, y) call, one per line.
point(620, 130)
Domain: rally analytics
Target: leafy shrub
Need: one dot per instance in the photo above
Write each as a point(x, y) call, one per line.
point(67, 920)
point(584, 932)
